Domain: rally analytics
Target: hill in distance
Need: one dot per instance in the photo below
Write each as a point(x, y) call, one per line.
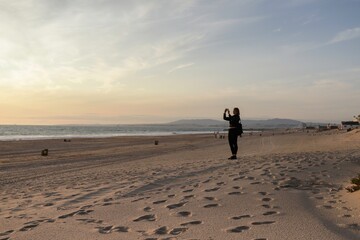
point(202, 122)
point(257, 124)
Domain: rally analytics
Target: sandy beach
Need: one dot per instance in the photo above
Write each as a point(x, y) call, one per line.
point(283, 186)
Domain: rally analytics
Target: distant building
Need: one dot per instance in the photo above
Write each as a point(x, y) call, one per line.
point(322, 128)
point(349, 124)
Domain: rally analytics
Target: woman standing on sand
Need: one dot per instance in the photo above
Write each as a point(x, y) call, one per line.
point(233, 130)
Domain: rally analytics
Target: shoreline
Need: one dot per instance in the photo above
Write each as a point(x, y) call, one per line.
point(100, 136)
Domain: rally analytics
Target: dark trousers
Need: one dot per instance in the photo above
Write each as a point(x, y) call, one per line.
point(232, 137)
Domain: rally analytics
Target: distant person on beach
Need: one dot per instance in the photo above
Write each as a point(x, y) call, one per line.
point(234, 121)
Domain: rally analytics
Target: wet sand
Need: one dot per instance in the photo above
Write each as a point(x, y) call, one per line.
point(283, 186)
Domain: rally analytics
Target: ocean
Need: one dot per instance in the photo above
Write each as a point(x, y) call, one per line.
point(32, 132)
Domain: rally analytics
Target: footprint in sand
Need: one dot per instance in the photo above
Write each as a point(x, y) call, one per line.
point(191, 223)
point(177, 205)
point(354, 226)
point(110, 229)
point(162, 230)
point(79, 212)
point(105, 230)
point(238, 229)
point(177, 231)
point(212, 189)
point(189, 190)
point(263, 223)
point(327, 206)
point(210, 198)
point(238, 178)
point(148, 209)
point(29, 227)
point(189, 196)
point(184, 214)
point(6, 233)
point(236, 193)
point(270, 213)
point(241, 217)
point(120, 229)
point(211, 205)
point(255, 183)
point(149, 217)
point(266, 206)
point(159, 202)
point(90, 220)
point(207, 181)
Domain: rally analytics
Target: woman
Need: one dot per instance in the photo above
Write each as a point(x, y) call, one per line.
point(233, 130)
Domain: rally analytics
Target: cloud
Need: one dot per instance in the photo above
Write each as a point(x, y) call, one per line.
point(180, 67)
point(346, 35)
point(277, 30)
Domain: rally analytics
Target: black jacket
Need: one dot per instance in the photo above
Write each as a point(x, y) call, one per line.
point(233, 120)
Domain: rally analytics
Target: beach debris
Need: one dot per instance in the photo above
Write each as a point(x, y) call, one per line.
point(355, 184)
point(45, 152)
point(156, 142)
point(67, 140)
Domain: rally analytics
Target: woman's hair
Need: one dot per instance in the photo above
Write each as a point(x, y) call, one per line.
point(237, 111)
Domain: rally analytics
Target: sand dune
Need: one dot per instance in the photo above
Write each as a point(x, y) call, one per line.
point(283, 186)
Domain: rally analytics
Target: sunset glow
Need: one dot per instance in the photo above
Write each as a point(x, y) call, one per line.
point(90, 62)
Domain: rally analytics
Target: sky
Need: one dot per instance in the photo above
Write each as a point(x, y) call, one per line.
point(155, 61)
